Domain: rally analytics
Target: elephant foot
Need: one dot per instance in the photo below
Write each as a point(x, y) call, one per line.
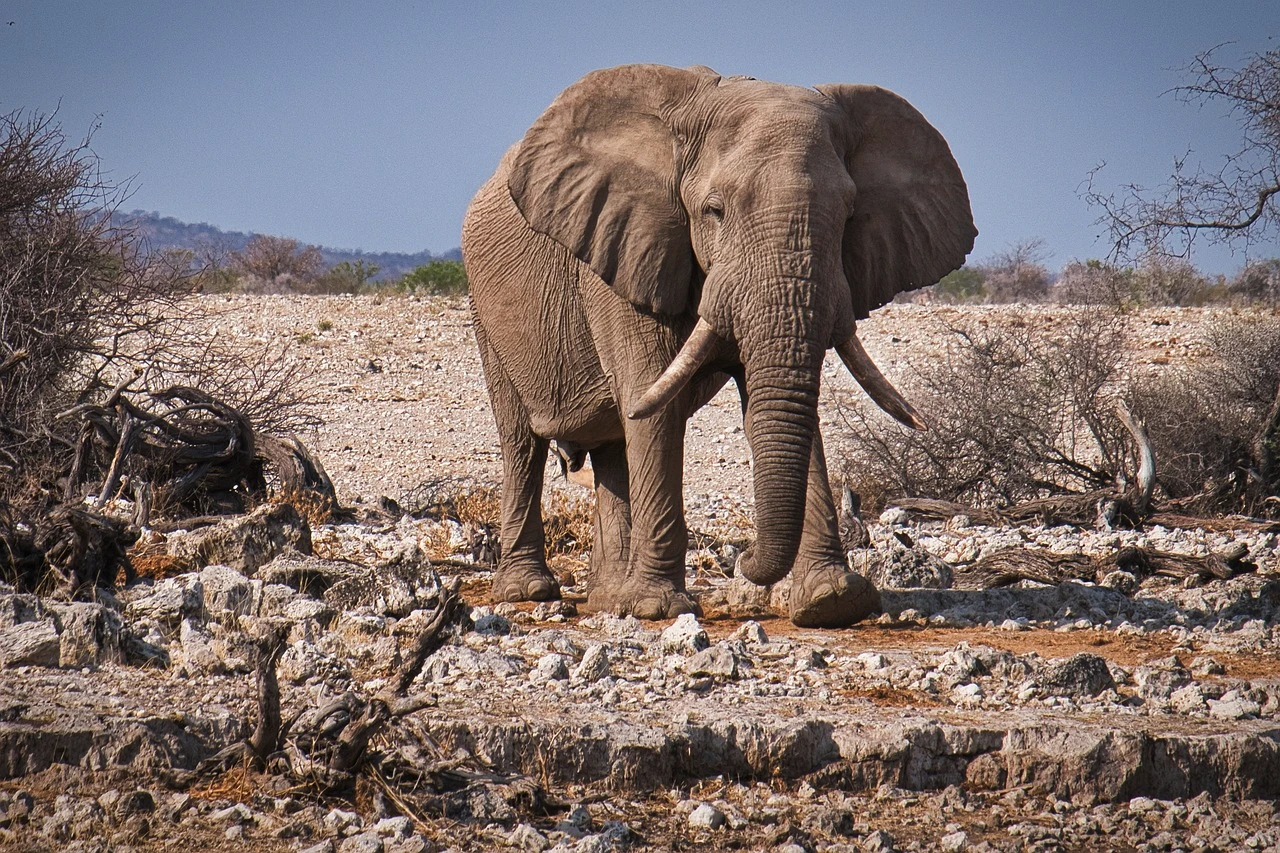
point(652, 600)
point(524, 583)
point(831, 597)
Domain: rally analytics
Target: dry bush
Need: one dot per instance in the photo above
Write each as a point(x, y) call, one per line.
point(1258, 281)
point(567, 523)
point(76, 294)
point(84, 307)
point(278, 260)
point(1015, 413)
point(1096, 282)
point(1018, 273)
point(1208, 422)
point(460, 499)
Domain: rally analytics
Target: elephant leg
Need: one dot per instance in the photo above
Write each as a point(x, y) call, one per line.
point(824, 593)
point(522, 573)
point(612, 547)
point(653, 586)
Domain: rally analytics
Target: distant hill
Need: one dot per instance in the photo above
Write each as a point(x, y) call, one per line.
point(165, 232)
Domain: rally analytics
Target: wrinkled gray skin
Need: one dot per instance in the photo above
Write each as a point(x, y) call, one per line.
point(647, 200)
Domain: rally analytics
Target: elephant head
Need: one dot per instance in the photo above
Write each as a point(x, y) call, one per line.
point(780, 215)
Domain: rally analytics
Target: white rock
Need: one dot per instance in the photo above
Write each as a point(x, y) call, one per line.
point(751, 632)
point(593, 666)
point(685, 636)
point(706, 816)
point(30, 644)
point(894, 516)
point(1233, 708)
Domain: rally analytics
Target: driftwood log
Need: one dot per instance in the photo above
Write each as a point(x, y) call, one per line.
point(185, 453)
point(1012, 565)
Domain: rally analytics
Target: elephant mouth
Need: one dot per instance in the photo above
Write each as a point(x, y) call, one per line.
point(704, 341)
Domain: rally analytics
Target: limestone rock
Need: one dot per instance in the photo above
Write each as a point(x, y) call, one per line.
point(593, 666)
point(16, 607)
point(718, 661)
point(901, 567)
point(168, 601)
point(89, 634)
point(685, 636)
point(1079, 675)
point(706, 816)
point(226, 592)
point(245, 542)
point(30, 644)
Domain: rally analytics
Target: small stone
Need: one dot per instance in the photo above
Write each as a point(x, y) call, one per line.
point(593, 666)
point(236, 812)
point(1079, 675)
point(751, 632)
point(30, 644)
point(364, 842)
point(872, 661)
point(1125, 583)
point(894, 516)
point(340, 819)
point(226, 592)
point(554, 611)
point(551, 667)
point(966, 693)
point(719, 661)
point(1188, 699)
point(1205, 665)
point(706, 816)
point(576, 823)
point(415, 843)
point(878, 842)
point(398, 827)
point(490, 622)
point(1142, 805)
point(526, 837)
point(1014, 625)
point(954, 842)
point(684, 636)
point(1233, 708)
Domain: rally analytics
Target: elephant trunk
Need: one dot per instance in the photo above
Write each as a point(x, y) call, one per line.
point(782, 419)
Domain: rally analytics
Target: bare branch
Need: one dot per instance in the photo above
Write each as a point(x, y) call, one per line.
point(1233, 204)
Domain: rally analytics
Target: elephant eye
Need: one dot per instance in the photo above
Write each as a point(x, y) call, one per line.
point(714, 208)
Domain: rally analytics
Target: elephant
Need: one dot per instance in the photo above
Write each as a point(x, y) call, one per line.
point(658, 232)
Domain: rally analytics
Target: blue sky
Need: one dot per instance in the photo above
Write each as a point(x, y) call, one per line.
point(371, 124)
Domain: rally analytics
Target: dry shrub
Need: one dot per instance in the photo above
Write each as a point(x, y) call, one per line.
point(83, 306)
point(1207, 421)
point(567, 523)
point(459, 499)
point(1015, 413)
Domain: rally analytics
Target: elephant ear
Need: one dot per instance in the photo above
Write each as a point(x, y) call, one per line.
point(911, 222)
point(598, 173)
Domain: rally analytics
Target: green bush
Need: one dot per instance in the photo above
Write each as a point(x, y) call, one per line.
point(438, 278)
point(962, 285)
point(343, 277)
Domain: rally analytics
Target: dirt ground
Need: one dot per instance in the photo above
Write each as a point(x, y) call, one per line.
point(924, 728)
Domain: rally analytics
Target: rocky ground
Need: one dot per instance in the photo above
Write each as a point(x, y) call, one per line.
point(1129, 712)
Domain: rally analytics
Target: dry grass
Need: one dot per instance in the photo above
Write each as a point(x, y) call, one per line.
point(567, 522)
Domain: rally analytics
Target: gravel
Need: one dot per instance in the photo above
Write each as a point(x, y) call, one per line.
point(1136, 712)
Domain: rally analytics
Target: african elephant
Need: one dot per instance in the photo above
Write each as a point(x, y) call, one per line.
point(657, 232)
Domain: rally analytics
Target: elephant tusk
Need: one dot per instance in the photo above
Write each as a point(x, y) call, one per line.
point(692, 355)
point(873, 382)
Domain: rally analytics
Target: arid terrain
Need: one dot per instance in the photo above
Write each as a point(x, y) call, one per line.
point(1127, 710)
